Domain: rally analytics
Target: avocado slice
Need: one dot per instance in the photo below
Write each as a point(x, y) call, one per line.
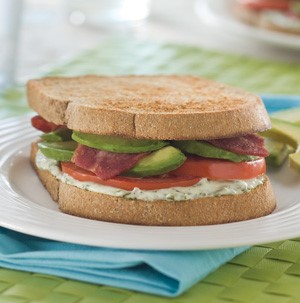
point(60, 151)
point(284, 131)
point(278, 152)
point(157, 163)
point(288, 133)
point(295, 161)
point(59, 135)
point(290, 115)
point(204, 149)
point(117, 144)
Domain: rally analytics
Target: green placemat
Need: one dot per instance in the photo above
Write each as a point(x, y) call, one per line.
point(265, 273)
point(141, 57)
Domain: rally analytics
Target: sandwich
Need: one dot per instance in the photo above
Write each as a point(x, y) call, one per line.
point(151, 150)
point(277, 15)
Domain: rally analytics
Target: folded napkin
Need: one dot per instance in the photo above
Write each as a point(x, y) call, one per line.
point(167, 273)
point(280, 102)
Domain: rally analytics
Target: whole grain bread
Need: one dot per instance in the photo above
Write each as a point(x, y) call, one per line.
point(152, 107)
point(203, 211)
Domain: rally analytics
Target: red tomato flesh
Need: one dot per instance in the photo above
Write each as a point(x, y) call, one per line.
point(129, 183)
point(216, 169)
point(43, 125)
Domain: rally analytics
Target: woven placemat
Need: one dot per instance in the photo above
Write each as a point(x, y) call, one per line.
point(264, 273)
point(119, 56)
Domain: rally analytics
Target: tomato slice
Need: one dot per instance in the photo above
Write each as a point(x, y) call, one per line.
point(266, 4)
point(220, 169)
point(43, 125)
point(128, 183)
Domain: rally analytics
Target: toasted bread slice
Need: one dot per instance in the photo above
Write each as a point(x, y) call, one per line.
point(151, 107)
point(203, 211)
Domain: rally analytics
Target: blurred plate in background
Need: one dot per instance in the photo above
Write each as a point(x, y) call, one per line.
point(219, 14)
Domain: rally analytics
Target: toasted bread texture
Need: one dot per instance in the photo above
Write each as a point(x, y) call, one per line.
point(152, 107)
point(211, 210)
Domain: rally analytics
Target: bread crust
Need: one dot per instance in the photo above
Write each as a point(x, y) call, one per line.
point(48, 180)
point(152, 107)
point(203, 211)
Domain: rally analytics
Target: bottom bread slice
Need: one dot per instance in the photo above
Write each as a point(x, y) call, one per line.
point(255, 203)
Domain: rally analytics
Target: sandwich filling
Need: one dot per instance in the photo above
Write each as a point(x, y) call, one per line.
point(151, 169)
point(204, 188)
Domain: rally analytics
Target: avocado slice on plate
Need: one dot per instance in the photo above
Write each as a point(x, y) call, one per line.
point(278, 152)
point(288, 133)
point(158, 162)
point(284, 131)
point(290, 115)
point(204, 149)
point(60, 151)
point(295, 161)
point(117, 144)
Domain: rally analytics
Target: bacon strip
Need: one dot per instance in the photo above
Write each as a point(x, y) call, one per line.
point(246, 145)
point(104, 164)
point(43, 125)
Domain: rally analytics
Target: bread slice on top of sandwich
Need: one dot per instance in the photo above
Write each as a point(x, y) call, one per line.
point(151, 150)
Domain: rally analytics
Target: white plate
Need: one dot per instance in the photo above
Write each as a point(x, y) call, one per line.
point(26, 207)
point(220, 15)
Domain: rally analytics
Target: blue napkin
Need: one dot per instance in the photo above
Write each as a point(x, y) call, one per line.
point(280, 102)
point(167, 273)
